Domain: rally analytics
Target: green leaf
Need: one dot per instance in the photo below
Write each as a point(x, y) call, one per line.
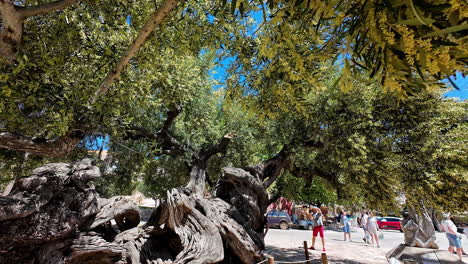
point(447, 31)
point(416, 22)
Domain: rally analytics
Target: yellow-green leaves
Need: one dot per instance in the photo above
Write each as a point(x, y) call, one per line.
point(346, 83)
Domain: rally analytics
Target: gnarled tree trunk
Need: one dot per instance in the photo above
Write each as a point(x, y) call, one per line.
point(56, 216)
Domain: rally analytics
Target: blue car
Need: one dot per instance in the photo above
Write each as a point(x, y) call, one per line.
point(305, 224)
point(279, 219)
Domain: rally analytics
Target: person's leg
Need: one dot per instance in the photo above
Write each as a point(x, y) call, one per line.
point(450, 249)
point(377, 240)
point(345, 230)
point(458, 245)
point(366, 236)
point(314, 237)
point(322, 238)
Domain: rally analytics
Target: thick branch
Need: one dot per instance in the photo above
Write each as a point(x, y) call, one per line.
point(269, 170)
point(218, 148)
point(45, 8)
point(309, 173)
point(200, 163)
point(155, 20)
point(12, 30)
point(44, 147)
point(169, 145)
point(171, 116)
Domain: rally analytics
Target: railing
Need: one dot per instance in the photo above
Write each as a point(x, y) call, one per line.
point(271, 260)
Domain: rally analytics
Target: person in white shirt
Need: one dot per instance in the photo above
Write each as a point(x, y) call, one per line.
point(451, 232)
point(364, 217)
point(372, 228)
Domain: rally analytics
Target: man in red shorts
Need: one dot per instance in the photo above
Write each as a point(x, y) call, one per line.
point(318, 226)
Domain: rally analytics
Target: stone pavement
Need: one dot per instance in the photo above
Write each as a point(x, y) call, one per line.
point(423, 255)
point(287, 245)
point(338, 252)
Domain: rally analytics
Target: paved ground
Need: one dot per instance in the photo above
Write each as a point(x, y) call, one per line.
point(287, 245)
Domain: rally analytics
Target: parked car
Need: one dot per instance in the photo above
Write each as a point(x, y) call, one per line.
point(300, 220)
point(305, 224)
point(279, 219)
point(390, 222)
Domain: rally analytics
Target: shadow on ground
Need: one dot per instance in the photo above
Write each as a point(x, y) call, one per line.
point(297, 254)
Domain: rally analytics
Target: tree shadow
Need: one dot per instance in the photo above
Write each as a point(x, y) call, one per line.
point(297, 254)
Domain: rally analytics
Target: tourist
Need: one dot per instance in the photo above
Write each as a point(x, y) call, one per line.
point(363, 222)
point(450, 230)
point(372, 228)
point(318, 227)
point(345, 221)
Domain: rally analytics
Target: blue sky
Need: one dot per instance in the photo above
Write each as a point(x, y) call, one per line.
point(462, 83)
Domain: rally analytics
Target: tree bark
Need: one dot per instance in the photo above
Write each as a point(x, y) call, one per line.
point(59, 147)
point(45, 8)
point(269, 170)
point(12, 31)
point(12, 24)
point(55, 216)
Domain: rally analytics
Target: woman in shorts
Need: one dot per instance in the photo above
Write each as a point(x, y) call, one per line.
point(346, 229)
point(451, 232)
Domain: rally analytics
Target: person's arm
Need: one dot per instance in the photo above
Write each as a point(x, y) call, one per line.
point(442, 228)
point(450, 230)
point(308, 214)
point(319, 214)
